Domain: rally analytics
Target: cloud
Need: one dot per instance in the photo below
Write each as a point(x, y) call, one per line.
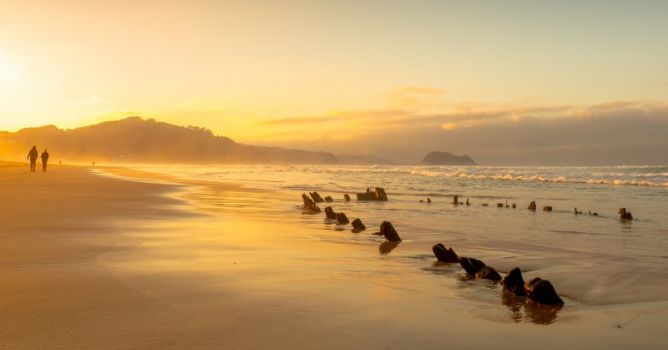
point(340, 125)
point(333, 117)
point(616, 132)
point(416, 98)
point(296, 121)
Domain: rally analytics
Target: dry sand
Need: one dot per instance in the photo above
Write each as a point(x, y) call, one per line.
point(90, 261)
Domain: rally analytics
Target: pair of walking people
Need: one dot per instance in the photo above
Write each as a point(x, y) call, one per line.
point(32, 156)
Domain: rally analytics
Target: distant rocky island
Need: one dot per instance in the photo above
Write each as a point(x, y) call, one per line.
point(446, 158)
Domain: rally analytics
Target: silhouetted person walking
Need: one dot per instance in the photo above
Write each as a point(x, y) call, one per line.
point(32, 155)
point(45, 159)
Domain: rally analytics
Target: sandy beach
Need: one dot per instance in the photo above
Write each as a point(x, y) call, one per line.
point(91, 261)
point(344, 175)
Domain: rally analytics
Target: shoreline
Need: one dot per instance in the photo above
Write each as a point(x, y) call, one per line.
point(121, 264)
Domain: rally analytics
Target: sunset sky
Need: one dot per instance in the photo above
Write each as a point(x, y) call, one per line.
point(295, 72)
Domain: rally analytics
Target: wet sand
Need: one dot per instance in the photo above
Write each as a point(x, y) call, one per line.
point(94, 261)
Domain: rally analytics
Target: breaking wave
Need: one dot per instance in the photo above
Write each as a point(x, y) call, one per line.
point(576, 176)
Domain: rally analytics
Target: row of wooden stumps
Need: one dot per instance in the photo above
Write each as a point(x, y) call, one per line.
point(624, 215)
point(377, 194)
point(537, 290)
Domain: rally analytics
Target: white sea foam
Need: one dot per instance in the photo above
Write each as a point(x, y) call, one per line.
point(577, 176)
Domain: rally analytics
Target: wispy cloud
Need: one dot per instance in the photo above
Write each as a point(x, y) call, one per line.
point(333, 117)
point(416, 98)
point(606, 133)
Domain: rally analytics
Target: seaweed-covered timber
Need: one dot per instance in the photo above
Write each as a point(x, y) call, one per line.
point(443, 254)
point(467, 202)
point(537, 290)
point(532, 206)
point(346, 197)
point(378, 194)
point(342, 218)
point(471, 265)
point(387, 230)
point(541, 291)
point(329, 199)
point(514, 206)
point(477, 268)
point(455, 200)
point(513, 282)
point(358, 226)
point(625, 215)
point(316, 197)
point(488, 273)
point(499, 205)
point(330, 213)
point(428, 200)
point(547, 208)
point(309, 204)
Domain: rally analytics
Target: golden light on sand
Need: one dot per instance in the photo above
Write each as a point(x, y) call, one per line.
point(205, 174)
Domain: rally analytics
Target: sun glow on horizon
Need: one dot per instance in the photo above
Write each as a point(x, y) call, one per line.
point(232, 66)
point(9, 74)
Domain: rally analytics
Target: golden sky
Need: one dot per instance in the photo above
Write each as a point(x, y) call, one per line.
point(253, 70)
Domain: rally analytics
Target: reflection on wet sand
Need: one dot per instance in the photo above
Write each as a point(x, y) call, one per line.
point(536, 313)
point(386, 247)
point(442, 269)
point(514, 304)
point(517, 309)
point(541, 314)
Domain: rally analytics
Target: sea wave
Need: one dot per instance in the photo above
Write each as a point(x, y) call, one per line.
point(511, 176)
point(646, 176)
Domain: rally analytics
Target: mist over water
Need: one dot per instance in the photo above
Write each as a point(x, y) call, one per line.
point(591, 259)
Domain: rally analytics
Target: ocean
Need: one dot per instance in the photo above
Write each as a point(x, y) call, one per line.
point(593, 260)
